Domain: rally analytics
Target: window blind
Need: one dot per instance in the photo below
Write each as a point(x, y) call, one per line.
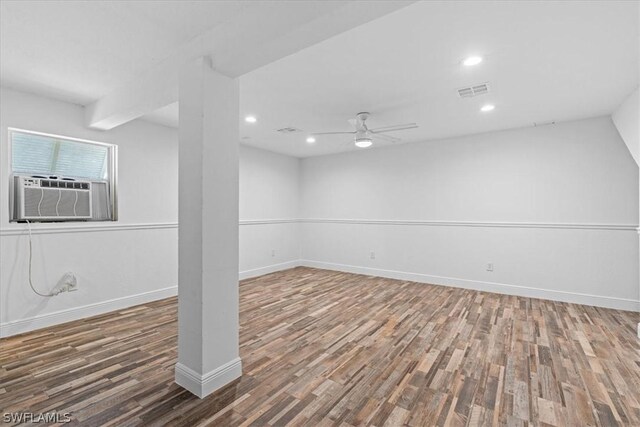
point(45, 155)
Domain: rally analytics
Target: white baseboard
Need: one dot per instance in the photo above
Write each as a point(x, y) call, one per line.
point(50, 319)
point(204, 384)
point(268, 269)
point(16, 327)
point(500, 288)
point(45, 320)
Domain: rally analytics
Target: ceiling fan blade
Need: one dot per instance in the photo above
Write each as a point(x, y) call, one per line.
point(332, 133)
point(385, 137)
point(395, 128)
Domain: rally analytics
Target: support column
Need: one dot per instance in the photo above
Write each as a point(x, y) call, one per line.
point(208, 324)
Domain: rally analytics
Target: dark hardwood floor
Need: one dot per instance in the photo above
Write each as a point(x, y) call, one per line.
point(325, 348)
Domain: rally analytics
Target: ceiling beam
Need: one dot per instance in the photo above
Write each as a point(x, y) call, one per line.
point(264, 32)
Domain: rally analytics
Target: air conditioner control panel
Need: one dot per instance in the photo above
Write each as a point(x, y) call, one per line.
point(56, 183)
point(31, 182)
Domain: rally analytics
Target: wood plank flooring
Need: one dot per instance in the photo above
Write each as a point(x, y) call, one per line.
point(324, 348)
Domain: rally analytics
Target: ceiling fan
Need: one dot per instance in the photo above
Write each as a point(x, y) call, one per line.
point(363, 136)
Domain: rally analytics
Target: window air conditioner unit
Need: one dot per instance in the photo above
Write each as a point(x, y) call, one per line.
point(51, 199)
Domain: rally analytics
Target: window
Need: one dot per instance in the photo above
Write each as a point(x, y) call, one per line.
point(51, 157)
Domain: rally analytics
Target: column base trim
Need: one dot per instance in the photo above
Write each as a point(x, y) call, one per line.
point(203, 385)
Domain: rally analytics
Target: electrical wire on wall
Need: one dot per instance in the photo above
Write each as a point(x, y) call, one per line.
point(30, 266)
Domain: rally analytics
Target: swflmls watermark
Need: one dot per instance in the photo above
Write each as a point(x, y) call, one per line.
point(33, 417)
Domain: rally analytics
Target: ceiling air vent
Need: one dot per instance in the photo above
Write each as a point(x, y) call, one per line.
point(471, 91)
point(288, 130)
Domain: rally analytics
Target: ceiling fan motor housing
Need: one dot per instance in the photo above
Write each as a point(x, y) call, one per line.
point(361, 118)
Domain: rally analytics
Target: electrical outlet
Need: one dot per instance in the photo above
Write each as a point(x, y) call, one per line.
point(490, 266)
point(69, 282)
point(372, 255)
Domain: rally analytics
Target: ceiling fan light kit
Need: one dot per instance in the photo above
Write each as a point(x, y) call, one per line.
point(364, 137)
point(363, 142)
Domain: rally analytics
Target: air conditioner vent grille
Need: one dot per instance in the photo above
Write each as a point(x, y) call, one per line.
point(64, 184)
point(32, 198)
point(475, 90)
point(49, 202)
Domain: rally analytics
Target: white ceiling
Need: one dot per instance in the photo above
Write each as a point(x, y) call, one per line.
point(544, 61)
point(80, 51)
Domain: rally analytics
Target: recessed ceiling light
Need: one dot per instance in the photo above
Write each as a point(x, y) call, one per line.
point(250, 119)
point(487, 107)
point(363, 142)
point(472, 60)
point(311, 140)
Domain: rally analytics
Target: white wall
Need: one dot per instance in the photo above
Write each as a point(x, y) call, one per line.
point(133, 260)
point(627, 121)
point(554, 209)
point(268, 211)
point(117, 264)
point(435, 211)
